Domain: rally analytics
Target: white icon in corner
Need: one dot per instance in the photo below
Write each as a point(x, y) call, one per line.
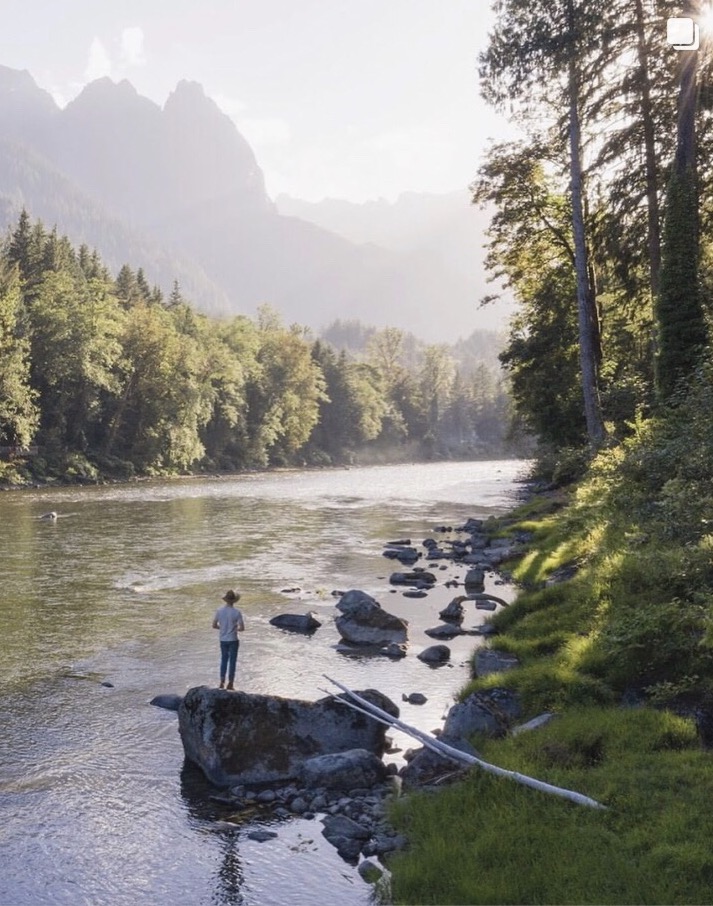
point(683, 33)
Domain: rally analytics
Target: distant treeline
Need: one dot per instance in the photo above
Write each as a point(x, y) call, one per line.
point(107, 376)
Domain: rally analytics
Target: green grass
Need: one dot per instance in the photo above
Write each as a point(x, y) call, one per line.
point(635, 623)
point(490, 840)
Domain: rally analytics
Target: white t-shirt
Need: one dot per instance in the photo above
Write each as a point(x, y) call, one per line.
point(229, 620)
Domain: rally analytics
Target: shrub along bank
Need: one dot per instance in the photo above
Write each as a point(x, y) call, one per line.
point(613, 633)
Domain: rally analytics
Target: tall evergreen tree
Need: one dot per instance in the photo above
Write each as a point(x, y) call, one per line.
point(681, 322)
point(19, 415)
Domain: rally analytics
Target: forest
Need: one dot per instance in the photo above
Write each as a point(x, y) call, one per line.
point(107, 377)
point(602, 229)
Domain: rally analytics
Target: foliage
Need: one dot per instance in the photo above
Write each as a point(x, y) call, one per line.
point(682, 330)
point(504, 843)
point(107, 376)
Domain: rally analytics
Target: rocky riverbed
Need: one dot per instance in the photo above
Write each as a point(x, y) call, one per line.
point(318, 760)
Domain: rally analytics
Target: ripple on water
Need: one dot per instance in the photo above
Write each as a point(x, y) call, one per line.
point(95, 802)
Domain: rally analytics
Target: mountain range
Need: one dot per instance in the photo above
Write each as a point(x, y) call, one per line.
point(178, 191)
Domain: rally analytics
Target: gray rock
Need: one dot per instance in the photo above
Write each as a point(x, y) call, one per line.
point(486, 629)
point(444, 631)
point(425, 765)
point(415, 594)
point(364, 622)
point(405, 555)
point(319, 803)
point(167, 701)
point(419, 577)
point(479, 541)
point(343, 770)
point(298, 806)
point(415, 698)
point(454, 613)
point(265, 797)
point(489, 660)
point(296, 622)
point(370, 871)
point(261, 835)
point(490, 712)
point(340, 826)
point(475, 579)
point(471, 525)
point(386, 843)
point(436, 654)
point(355, 601)
point(240, 738)
point(348, 849)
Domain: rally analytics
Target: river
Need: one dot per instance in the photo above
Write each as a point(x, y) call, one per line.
point(112, 604)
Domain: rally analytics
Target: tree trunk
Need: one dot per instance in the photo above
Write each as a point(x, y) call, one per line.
point(681, 323)
point(587, 337)
point(652, 179)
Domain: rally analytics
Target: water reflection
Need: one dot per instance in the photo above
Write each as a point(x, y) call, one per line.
point(94, 803)
point(230, 875)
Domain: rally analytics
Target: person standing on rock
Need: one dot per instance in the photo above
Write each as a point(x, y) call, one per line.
point(229, 621)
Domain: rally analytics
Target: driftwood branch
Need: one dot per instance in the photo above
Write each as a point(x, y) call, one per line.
point(485, 596)
point(456, 755)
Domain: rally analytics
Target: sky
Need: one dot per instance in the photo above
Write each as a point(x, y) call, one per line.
point(354, 99)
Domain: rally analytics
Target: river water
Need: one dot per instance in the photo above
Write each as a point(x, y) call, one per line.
point(112, 604)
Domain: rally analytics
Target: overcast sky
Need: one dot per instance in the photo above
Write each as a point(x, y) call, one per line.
point(351, 99)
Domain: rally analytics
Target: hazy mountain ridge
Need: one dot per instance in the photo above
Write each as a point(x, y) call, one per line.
point(178, 191)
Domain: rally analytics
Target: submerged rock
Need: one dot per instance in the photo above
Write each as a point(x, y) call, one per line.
point(167, 701)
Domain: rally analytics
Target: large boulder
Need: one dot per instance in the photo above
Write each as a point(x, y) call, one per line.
point(241, 738)
point(365, 622)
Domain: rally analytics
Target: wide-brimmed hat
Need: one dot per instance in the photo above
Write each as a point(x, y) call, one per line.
point(231, 596)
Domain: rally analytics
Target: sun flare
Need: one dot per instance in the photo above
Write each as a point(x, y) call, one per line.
point(705, 19)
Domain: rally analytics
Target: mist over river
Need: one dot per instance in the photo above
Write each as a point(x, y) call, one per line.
point(96, 805)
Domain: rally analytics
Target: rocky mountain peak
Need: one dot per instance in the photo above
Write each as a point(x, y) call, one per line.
point(25, 108)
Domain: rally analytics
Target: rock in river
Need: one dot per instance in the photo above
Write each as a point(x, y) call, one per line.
point(364, 622)
point(436, 654)
point(296, 622)
point(236, 737)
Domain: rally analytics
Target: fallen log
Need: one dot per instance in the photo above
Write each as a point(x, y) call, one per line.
point(456, 755)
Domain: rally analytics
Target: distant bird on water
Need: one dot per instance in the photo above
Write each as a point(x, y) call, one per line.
point(51, 516)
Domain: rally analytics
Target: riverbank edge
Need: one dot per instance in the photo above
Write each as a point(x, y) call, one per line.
point(106, 479)
point(421, 874)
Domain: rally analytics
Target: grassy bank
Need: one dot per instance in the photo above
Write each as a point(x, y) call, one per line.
point(613, 632)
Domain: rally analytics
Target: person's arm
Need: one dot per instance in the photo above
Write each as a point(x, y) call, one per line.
point(216, 624)
point(241, 624)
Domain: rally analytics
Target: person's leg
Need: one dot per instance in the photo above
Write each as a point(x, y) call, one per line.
point(233, 659)
point(224, 655)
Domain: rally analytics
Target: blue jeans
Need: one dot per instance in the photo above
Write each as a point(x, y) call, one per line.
point(228, 660)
